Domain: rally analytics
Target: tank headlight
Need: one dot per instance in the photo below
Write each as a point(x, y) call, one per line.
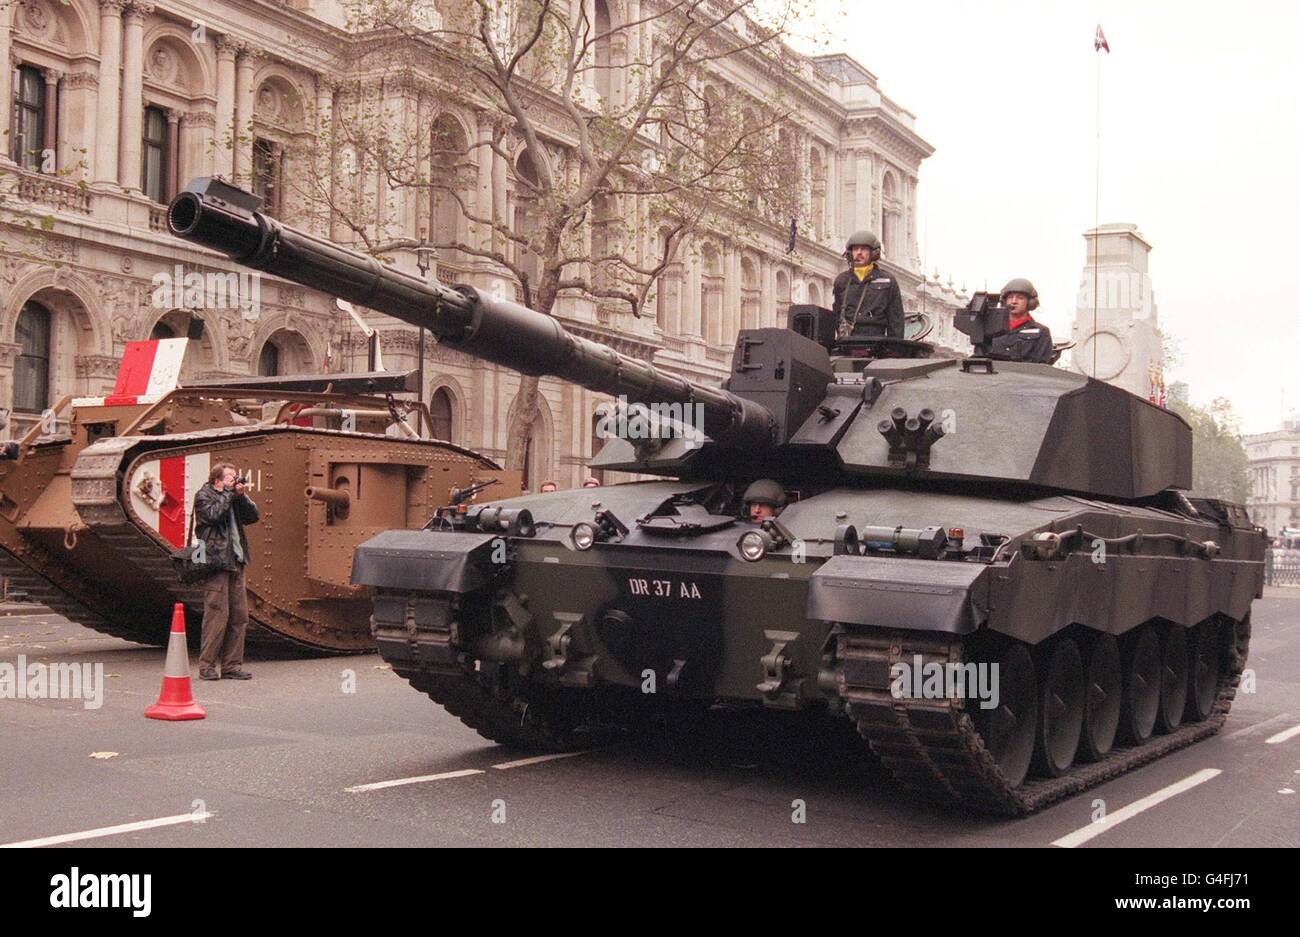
point(754, 545)
point(583, 535)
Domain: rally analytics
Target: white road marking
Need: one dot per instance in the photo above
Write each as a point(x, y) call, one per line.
point(1081, 836)
point(399, 782)
point(109, 831)
point(535, 760)
point(1252, 729)
point(1283, 736)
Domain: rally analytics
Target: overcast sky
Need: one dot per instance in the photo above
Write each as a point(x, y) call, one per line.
point(1200, 144)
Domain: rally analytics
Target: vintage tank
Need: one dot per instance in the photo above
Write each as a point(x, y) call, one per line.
point(988, 568)
point(95, 496)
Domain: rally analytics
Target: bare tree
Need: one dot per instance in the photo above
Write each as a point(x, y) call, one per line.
point(625, 126)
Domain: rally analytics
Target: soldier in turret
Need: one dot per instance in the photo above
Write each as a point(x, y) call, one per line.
point(868, 302)
point(1028, 339)
point(764, 498)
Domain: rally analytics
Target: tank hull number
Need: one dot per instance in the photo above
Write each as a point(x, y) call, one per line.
point(663, 588)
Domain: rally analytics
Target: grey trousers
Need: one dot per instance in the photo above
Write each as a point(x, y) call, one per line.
point(225, 619)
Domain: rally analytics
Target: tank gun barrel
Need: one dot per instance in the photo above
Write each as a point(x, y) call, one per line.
point(228, 220)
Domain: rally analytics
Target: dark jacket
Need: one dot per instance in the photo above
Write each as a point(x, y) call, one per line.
point(1030, 341)
point(881, 310)
point(211, 524)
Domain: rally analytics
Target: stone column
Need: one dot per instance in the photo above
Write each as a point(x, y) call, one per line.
point(484, 158)
point(691, 306)
point(325, 173)
point(108, 130)
point(132, 94)
point(632, 73)
point(424, 197)
point(245, 62)
point(6, 80)
point(79, 91)
point(49, 138)
point(862, 217)
point(767, 311)
point(224, 139)
point(197, 132)
point(726, 306)
point(173, 183)
point(832, 195)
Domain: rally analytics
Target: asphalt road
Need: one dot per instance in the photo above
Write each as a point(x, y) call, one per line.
point(277, 760)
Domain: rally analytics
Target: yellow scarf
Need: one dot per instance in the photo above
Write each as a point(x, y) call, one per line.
point(863, 272)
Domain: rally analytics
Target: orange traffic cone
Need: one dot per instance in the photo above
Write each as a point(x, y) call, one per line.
point(176, 700)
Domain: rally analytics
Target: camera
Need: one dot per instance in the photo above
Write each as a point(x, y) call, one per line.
point(241, 480)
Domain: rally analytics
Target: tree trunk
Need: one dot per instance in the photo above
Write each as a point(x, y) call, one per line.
point(527, 409)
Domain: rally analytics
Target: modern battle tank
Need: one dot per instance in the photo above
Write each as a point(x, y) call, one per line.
point(987, 567)
point(95, 497)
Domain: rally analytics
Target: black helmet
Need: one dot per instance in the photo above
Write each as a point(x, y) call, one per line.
point(865, 239)
point(1021, 285)
point(765, 491)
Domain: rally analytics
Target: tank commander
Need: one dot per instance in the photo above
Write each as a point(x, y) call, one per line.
point(764, 498)
point(548, 487)
point(867, 301)
point(591, 483)
point(1028, 339)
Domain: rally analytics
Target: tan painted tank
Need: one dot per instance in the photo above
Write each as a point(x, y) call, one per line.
point(89, 515)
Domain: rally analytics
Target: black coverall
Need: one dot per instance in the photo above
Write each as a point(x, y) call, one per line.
point(1029, 341)
point(872, 307)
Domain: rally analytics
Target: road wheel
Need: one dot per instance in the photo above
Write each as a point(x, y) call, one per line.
point(1008, 728)
point(1141, 698)
point(1060, 708)
point(1173, 678)
point(1102, 691)
point(1203, 686)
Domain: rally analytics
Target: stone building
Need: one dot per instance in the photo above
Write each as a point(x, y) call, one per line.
point(1125, 342)
point(1274, 464)
point(113, 105)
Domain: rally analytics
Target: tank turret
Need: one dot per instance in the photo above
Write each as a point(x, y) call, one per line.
point(785, 400)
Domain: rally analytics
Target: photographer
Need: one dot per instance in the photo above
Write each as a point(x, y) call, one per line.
point(221, 509)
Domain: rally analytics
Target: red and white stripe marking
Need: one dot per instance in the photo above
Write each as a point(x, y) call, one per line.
point(146, 372)
point(173, 483)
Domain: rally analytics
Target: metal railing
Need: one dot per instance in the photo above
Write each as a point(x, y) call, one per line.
point(1282, 567)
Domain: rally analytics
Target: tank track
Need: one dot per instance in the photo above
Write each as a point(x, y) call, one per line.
point(933, 747)
point(543, 719)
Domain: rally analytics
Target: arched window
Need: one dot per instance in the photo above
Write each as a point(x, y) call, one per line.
point(268, 362)
point(448, 153)
point(29, 117)
point(153, 167)
point(526, 216)
point(32, 368)
point(749, 294)
point(440, 415)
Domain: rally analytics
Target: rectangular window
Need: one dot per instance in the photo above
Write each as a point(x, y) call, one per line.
point(28, 131)
point(153, 168)
point(267, 164)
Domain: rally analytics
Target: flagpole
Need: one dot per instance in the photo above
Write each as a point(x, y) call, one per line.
point(1096, 212)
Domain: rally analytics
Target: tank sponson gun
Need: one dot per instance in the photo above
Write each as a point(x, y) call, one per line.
point(229, 220)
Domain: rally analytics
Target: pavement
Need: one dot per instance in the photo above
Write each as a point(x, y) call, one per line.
point(300, 756)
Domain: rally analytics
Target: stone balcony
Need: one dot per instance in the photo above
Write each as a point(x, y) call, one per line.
point(34, 188)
